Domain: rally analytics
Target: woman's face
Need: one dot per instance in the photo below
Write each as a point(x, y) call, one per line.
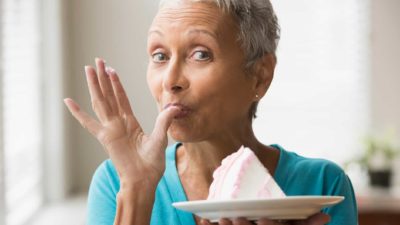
point(196, 62)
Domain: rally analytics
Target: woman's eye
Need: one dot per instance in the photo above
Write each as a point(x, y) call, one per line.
point(201, 55)
point(159, 57)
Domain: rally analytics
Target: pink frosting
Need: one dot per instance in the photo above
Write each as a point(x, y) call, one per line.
point(247, 159)
point(220, 173)
point(239, 160)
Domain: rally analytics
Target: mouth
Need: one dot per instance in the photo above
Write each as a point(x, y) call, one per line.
point(184, 110)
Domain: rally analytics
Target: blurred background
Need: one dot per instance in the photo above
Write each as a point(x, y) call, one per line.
point(335, 95)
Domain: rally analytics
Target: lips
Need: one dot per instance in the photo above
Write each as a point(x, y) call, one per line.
point(184, 110)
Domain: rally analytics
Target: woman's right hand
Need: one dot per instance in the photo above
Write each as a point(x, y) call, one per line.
point(137, 157)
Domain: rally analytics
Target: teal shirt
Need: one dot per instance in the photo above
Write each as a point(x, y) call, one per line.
point(296, 175)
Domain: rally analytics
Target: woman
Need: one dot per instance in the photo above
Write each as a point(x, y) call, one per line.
point(211, 61)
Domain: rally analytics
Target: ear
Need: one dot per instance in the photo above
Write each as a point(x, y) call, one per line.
point(263, 74)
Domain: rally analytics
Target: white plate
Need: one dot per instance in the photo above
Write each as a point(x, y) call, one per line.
point(287, 208)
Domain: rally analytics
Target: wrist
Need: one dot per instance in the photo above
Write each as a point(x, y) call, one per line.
point(134, 204)
point(142, 185)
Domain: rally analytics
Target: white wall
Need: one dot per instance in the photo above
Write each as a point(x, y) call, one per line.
point(385, 60)
point(116, 30)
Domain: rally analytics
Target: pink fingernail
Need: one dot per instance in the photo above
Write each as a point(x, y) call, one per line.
point(100, 60)
point(110, 70)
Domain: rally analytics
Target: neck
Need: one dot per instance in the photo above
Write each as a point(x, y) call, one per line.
point(200, 159)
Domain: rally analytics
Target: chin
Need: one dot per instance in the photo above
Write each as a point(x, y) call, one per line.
point(183, 135)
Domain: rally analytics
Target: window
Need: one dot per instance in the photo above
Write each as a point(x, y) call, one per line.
point(21, 146)
point(318, 103)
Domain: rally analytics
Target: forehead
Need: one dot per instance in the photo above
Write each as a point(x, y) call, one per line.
point(185, 14)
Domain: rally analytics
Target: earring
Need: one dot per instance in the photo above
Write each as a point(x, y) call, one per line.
point(256, 95)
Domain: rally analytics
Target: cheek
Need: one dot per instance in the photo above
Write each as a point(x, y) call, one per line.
point(226, 100)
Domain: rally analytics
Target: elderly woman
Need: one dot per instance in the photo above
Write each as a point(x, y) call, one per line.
point(210, 63)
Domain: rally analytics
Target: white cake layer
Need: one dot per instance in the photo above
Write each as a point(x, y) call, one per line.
point(252, 180)
point(243, 176)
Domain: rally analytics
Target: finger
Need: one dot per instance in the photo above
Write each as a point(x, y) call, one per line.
point(158, 137)
point(265, 221)
point(204, 222)
point(224, 221)
point(105, 85)
point(242, 221)
point(99, 105)
point(163, 122)
point(84, 119)
point(120, 94)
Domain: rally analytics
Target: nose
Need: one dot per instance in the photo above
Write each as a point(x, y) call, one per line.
point(174, 79)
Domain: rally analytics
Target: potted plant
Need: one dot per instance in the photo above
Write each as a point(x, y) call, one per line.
point(377, 159)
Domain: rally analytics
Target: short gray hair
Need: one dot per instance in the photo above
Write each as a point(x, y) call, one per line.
point(259, 30)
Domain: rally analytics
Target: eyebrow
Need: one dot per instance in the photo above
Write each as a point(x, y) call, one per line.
point(155, 32)
point(202, 31)
point(192, 31)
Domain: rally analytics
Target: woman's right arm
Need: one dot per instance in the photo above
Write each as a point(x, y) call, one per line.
point(138, 158)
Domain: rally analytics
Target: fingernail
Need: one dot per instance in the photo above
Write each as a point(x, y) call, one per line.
point(100, 60)
point(87, 68)
point(110, 70)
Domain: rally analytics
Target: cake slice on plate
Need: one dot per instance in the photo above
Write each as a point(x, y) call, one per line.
point(242, 176)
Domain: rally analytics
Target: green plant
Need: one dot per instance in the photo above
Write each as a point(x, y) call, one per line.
point(378, 153)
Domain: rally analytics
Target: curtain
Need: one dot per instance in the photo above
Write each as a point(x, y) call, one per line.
point(21, 129)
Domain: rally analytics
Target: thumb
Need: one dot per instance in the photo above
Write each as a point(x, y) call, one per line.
point(163, 122)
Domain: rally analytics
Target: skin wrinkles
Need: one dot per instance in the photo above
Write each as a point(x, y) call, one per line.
point(189, 32)
point(200, 19)
point(197, 36)
point(200, 10)
point(179, 42)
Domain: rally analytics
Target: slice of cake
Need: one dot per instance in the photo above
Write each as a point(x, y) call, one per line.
point(242, 176)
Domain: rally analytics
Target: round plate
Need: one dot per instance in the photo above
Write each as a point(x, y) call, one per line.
point(287, 208)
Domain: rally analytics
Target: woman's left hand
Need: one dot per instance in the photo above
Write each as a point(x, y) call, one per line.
point(317, 219)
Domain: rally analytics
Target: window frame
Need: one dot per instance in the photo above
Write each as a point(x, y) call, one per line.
point(2, 173)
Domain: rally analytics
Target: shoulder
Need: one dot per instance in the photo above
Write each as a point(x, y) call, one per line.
point(106, 172)
point(105, 181)
point(102, 194)
point(314, 166)
point(299, 175)
point(293, 161)
point(310, 175)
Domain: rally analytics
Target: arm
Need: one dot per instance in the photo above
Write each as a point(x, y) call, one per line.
point(346, 211)
point(130, 202)
point(138, 158)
